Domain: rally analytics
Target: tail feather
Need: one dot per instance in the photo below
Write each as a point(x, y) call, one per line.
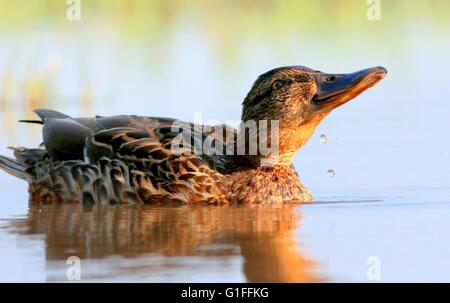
point(13, 167)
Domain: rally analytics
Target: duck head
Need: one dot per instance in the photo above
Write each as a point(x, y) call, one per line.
point(299, 98)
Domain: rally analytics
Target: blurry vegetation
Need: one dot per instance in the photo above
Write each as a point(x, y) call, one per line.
point(228, 26)
point(224, 23)
point(259, 17)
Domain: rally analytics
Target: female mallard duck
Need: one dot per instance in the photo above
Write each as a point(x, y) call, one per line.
point(132, 159)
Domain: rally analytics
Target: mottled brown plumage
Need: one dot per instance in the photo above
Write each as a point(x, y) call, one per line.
point(136, 159)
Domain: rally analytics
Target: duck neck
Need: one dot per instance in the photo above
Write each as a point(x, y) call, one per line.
point(272, 143)
point(259, 144)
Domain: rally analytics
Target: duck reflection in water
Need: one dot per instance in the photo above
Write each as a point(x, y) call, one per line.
point(263, 236)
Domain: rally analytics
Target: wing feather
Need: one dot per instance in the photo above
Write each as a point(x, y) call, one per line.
point(144, 146)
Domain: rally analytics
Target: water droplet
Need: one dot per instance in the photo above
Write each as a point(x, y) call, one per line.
point(323, 139)
point(331, 172)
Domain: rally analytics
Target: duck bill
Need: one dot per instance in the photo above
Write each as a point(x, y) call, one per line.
point(334, 90)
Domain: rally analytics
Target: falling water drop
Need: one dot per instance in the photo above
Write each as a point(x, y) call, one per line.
point(323, 139)
point(331, 172)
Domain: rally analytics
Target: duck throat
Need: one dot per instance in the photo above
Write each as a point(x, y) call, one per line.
point(258, 142)
point(267, 185)
point(274, 143)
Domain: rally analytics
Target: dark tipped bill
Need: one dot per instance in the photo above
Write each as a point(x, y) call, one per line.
point(334, 90)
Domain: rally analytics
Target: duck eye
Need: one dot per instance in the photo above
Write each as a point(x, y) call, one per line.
point(277, 84)
point(331, 79)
